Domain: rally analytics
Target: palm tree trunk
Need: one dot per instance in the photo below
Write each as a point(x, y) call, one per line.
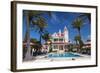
point(79, 40)
point(28, 55)
point(79, 32)
point(40, 37)
point(77, 45)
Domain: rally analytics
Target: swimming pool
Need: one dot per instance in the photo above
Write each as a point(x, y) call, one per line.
point(62, 55)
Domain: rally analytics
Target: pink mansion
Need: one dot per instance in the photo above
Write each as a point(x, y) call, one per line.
point(60, 40)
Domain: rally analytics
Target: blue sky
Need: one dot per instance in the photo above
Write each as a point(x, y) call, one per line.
point(59, 20)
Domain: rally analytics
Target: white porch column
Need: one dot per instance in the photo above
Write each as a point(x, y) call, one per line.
point(58, 47)
point(64, 47)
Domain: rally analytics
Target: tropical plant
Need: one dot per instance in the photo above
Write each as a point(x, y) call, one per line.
point(29, 14)
point(77, 39)
point(33, 40)
point(70, 47)
point(85, 16)
point(78, 24)
point(36, 44)
point(79, 42)
point(46, 37)
point(40, 25)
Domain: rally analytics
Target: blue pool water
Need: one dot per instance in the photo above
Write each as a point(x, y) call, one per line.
point(62, 55)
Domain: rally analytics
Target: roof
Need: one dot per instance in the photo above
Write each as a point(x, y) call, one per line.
point(30, 43)
point(60, 43)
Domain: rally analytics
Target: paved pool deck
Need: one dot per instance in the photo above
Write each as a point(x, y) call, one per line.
point(44, 58)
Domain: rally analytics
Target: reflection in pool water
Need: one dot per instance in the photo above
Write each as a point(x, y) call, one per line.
point(62, 55)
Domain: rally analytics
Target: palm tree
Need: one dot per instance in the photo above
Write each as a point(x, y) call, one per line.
point(28, 53)
point(46, 37)
point(29, 15)
point(40, 24)
point(77, 38)
point(85, 16)
point(78, 24)
point(79, 42)
point(48, 41)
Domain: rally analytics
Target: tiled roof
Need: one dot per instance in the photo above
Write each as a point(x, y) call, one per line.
point(60, 43)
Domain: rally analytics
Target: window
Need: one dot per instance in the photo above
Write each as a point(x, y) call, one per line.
point(66, 46)
point(55, 40)
point(61, 47)
point(61, 40)
point(55, 47)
